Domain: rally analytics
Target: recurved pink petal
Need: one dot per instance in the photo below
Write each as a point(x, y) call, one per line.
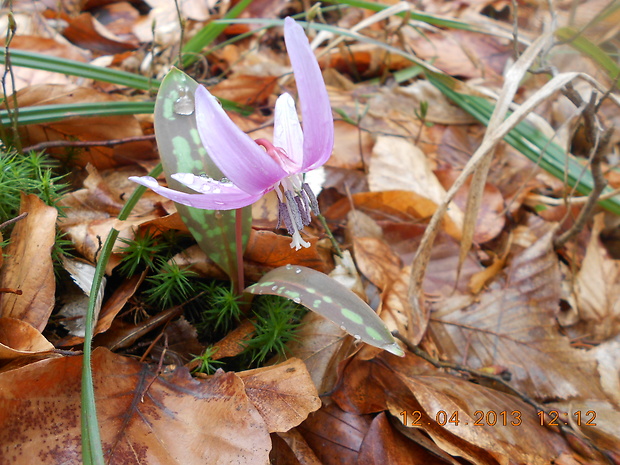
point(228, 197)
point(287, 132)
point(316, 112)
point(233, 151)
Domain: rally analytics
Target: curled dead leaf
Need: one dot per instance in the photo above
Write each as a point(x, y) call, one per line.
point(29, 267)
point(18, 338)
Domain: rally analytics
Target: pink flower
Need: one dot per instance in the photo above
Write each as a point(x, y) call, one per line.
point(253, 168)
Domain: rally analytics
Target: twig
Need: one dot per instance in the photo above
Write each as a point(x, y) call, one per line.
point(599, 143)
point(87, 143)
point(13, 220)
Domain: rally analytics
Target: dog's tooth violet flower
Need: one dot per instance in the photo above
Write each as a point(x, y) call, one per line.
point(253, 168)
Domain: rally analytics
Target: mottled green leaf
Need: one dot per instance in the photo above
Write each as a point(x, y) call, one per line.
point(327, 297)
point(181, 151)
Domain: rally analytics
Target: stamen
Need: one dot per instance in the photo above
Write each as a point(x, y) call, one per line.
point(294, 210)
point(305, 213)
point(284, 216)
point(314, 205)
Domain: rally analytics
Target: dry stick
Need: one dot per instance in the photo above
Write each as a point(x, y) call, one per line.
point(588, 210)
point(564, 429)
point(13, 220)
point(87, 143)
point(598, 144)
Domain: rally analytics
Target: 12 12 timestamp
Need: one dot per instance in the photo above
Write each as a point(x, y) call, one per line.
point(557, 418)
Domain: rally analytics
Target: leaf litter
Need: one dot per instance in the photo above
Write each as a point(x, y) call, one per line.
point(512, 344)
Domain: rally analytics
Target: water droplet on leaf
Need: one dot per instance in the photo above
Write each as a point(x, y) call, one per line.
point(184, 105)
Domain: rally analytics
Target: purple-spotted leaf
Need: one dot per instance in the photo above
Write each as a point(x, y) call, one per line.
point(181, 151)
point(327, 297)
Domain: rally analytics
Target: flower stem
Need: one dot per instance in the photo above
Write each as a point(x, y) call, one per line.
point(239, 250)
point(328, 231)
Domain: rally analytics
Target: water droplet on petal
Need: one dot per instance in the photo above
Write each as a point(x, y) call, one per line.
point(274, 288)
point(184, 105)
point(357, 337)
point(298, 270)
point(289, 267)
point(297, 300)
point(343, 328)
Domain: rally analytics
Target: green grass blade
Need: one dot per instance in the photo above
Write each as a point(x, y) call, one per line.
point(532, 143)
point(75, 68)
point(208, 34)
point(582, 44)
point(48, 113)
point(426, 18)
point(92, 452)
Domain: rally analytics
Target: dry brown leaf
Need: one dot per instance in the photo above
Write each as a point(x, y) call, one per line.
point(397, 107)
point(397, 312)
point(446, 408)
point(462, 53)
point(514, 435)
point(91, 212)
point(283, 394)
point(88, 33)
point(291, 448)
point(397, 164)
point(367, 59)
point(322, 346)
point(334, 435)
point(491, 215)
point(597, 290)
point(27, 77)
point(114, 304)
point(352, 146)
point(245, 90)
point(359, 224)
point(272, 250)
point(28, 266)
point(383, 444)
point(392, 205)
point(376, 261)
point(143, 418)
point(513, 324)
point(18, 338)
